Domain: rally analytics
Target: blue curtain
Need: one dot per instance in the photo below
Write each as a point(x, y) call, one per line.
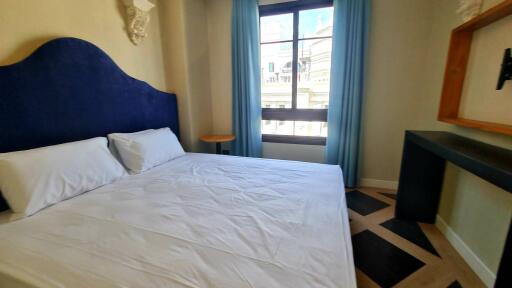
point(350, 42)
point(246, 78)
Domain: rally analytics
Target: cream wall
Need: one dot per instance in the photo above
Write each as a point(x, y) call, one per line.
point(198, 72)
point(184, 29)
point(171, 13)
point(480, 95)
point(476, 211)
point(219, 43)
point(26, 24)
point(395, 70)
point(296, 152)
point(267, 2)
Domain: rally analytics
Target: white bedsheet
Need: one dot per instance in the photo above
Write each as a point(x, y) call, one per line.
point(198, 221)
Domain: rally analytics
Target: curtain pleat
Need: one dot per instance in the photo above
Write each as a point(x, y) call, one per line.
point(350, 44)
point(246, 79)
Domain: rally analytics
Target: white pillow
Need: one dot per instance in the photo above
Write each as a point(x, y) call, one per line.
point(142, 151)
point(113, 148)
point(34, 179)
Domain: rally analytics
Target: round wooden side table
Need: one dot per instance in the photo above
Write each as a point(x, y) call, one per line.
point(218, 140)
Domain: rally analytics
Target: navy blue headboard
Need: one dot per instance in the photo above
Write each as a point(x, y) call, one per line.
point(70, 90)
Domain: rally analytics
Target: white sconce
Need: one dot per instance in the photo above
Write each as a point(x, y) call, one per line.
point(469, 9)
point(138, 18)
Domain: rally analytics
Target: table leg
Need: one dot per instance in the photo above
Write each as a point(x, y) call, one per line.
point(419, 188)
point(218, 148)
point(504, 277)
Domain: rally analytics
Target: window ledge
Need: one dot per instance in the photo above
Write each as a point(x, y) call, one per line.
point(291, 139)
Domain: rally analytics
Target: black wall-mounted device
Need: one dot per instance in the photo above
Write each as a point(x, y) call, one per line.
point(506, 69)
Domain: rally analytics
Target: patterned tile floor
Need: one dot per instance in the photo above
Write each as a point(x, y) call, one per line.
point(389, 252)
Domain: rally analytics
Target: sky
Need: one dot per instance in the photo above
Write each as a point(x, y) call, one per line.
point(308, 20)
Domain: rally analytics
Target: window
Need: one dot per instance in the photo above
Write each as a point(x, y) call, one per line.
point(296, 44)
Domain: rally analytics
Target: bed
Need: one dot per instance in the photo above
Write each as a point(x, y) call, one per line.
point(199, 220)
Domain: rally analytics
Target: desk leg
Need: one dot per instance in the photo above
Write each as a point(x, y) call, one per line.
point(419, 188)
point(504, 277)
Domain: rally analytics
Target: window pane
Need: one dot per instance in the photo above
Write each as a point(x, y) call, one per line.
point(276, 27)
point(314, 72)
point(276, 75)
point(315, 22)
point(296, 128)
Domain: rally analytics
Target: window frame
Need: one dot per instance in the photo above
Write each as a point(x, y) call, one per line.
point(294, 114)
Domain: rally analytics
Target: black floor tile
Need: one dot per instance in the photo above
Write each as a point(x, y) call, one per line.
point(455, 284)
point(363, 204)
point(383, 262)
point(410, 231)
point(389, 195)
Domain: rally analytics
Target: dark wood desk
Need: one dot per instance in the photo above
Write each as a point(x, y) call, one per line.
point(421, 177)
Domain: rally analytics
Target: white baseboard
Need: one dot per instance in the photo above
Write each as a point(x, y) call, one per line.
point(367, 182)
point(485, 274)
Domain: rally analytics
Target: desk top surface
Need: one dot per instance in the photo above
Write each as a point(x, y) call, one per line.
point(492, 163)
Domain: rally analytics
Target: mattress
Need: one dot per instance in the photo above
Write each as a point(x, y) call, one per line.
point(198, 221)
